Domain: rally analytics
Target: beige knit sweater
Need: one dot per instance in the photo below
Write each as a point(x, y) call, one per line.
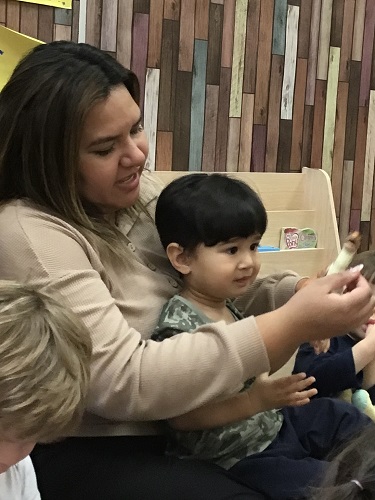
point(134, 380)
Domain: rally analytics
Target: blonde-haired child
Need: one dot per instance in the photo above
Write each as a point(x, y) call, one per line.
point(44, 376)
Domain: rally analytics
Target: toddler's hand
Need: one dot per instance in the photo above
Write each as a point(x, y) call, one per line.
point(320, 346)
point(305, 281)
point(270, 393)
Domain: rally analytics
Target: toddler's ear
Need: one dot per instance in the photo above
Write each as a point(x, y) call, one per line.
point(179, 258)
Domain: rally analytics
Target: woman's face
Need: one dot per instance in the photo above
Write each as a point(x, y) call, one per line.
point(112, 152)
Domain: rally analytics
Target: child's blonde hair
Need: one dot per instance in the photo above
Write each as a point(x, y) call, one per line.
point(44, 365)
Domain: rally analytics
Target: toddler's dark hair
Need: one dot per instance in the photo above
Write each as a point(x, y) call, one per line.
point(208, 208)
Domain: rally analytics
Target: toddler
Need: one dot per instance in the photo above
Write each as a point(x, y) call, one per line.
point(211, 227)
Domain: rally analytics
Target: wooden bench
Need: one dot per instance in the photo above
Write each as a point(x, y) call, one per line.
point(295, 200)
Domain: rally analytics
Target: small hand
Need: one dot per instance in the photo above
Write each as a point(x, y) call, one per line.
point(320, 346)
point(270, 393)
point(309, 280)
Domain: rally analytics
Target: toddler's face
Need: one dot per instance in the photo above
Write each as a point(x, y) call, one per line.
point(227, 269)
point(12, 451)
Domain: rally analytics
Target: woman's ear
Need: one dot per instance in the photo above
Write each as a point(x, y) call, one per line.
point(179, 258)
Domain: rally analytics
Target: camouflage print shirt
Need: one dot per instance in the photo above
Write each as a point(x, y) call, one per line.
point(226, 445)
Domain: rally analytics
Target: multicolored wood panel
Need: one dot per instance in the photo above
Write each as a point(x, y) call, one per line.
point(242, 85)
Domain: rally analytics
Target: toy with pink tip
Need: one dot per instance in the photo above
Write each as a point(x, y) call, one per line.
point(347, 253)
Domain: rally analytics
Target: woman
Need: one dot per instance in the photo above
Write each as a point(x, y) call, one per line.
point(77, 215)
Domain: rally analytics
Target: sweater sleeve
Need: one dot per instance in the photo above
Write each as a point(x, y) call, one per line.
point(132, 378)
point(334, 370)
point(268, 293)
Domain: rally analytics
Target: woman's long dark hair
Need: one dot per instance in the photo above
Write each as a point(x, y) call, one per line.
point(42, 112)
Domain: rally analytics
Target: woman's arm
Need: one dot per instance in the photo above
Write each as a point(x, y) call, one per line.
point(268, 293)
point(137, 379)
point(132, 377)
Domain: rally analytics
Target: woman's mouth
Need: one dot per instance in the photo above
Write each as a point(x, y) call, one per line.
point(129, 178)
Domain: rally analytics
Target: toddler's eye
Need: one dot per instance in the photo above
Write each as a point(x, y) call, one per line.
point(232, 250)
point(254, 247)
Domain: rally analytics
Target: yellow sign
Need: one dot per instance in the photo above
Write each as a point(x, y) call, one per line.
point(63, 4)
point(13, 46)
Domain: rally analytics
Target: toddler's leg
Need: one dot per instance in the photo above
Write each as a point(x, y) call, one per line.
point(325, 423)
point(295, 459)
point(279, 477)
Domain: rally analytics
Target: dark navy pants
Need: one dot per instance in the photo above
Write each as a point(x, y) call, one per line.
point(296, 459)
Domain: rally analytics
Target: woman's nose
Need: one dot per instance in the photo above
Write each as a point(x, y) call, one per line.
point(133, 154)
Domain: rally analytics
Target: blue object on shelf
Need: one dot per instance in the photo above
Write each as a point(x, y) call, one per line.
point(268, 248)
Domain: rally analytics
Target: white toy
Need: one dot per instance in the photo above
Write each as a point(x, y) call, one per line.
point(347, 253)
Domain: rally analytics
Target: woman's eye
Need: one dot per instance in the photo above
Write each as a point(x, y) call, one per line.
point(137, 129)
point(104, 152)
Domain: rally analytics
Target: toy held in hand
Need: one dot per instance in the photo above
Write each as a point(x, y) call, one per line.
point(342, 262)
point(347, 253)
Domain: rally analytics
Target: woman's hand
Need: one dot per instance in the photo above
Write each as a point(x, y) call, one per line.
point(267, 393)
point(317, 310)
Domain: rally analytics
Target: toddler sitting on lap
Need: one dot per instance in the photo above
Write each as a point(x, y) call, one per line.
point(211, 226)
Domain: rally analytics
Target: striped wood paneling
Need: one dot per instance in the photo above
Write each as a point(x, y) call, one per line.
point(261, 85)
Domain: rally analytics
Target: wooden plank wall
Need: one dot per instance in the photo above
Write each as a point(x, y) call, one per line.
point(40, 21)
point(239, 85)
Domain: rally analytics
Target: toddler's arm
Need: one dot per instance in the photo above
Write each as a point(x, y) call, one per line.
point(264, 394)
point(364, 357)
point(369, 375)
point(364, 351)
point(338, 369)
